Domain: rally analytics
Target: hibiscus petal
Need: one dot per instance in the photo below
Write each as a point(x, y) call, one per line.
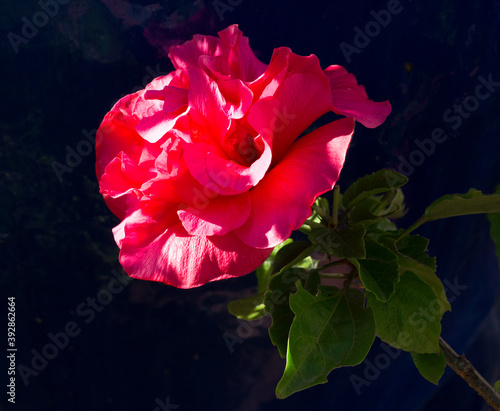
point(217, 216)
point(174, 78)
point(267, 84)
point(187, 55)
point(238, 96)
point(121, 175)
point(153, 128)
point(238, 60)
point(117, 131)
point(173, 97)
point(291, 110)
point(208, 103)
point(351, 100)
point(282, 201)
point(124, 204)
point(149, 221)
point(168, 162)
point(117, 137)
point(176, 258)
point(217, 173)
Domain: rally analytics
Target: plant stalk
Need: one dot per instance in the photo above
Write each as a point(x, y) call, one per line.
point(465, 369)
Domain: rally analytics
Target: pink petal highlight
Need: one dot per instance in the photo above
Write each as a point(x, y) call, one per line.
point(293, 108)
point(154, 128)
point(351, 100)
point(207, 103)
point(187, 55)
point(282, 201)
point(121, 176)
point(117, 131)
point(217, 216)
point(117, 138)
point(239, 60)
point(238, 97)
point(173, 97)
point(176, 258)
point(146, 223)
point(267, 84)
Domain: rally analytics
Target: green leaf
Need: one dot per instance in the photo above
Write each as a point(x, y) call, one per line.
point(250, 308)
point(253, 308)
point(431, 366)
point(375, 183)
point(497, 386)
point(266, 269)
point(363, 211)
point(495, 228)
point(379, 272)
point(384, 231)
point(375, 208)
point(397, 207)
point(415, 247)
point(263, 274)
point(328, 331)
point(276, 302)
point(322, 205)
point(308, 263)
point(473, 202)
point(411, 319)
point(428, 276)
point(288, 253)
point(412, 256)
point(345, 243)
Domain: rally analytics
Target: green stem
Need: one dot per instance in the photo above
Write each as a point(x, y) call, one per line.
point(464, 369)
point(321, 212)
point(384, 202)
point(304, 254)
point(305, 229)
point(312, 224)
point(409, 229)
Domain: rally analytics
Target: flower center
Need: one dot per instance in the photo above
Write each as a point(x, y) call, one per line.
point(240, 147)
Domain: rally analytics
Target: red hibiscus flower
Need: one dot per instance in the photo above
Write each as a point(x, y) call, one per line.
point(205, 168)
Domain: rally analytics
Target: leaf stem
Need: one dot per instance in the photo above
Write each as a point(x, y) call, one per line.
point(312, 224)
point(465, 369)
point(384, 202)
point(418, 223)
point(321, 212)
point(305, 229)
point(304, 254)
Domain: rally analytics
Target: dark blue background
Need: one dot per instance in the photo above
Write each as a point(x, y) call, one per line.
point(153, 341)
